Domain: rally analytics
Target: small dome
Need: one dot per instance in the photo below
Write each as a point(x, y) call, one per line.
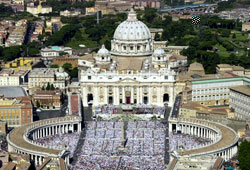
point(159, 51)
point(103, 51)
point(132, 29)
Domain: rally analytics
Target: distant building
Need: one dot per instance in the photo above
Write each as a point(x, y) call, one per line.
point(3, 127)
point(53, 163)
point(239, 101)
point(16, 111)
point(68, 13)
point(22, 63)
point(17, 161)
point(10, 78)
point(146, 4)
point(196, 110)
point(40, 77)
point(66, 59)
point(112, 7)
point(237, 70)
point(154, 31)
point(55, 51)
point(215, 91)
point(48, 99)
point(35, 10)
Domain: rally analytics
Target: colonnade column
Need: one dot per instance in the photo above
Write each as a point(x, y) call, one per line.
point(105, 94)
point(149, 96)
point(141, 95)
point(132, 95)
point(123, 95)
point(138, 95)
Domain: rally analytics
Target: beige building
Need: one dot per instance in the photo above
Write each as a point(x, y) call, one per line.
point(239, 101)
point(246, 26)
point(17, 111)
point(196, 110)
point(53, 164)
point(3, 127)
point(10, 78)
point(40, 77)
point(47, 99)
point(154, 31)
point(35, 10)
point(237, 70)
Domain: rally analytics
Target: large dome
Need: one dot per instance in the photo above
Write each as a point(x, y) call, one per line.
point(132, 29)
point(132, 38)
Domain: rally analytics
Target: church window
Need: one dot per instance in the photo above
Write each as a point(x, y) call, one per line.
point(124, 47)
point(89, 77)
point(131, 48)
point(166, 77)
point(102, 58)
point(138, 48)
point(159, 58)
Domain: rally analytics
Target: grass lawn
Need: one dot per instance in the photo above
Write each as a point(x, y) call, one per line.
point(86, 41)
point(226, 54)
point(220, 47)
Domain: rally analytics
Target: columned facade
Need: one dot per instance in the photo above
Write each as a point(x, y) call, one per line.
point(127, 93)
point(221, 145)
point(41, 129)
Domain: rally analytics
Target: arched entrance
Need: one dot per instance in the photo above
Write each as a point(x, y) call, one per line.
point(128, 97)
point(110, 99)
point(165, 97)
point(145, 100)
point(90, 97)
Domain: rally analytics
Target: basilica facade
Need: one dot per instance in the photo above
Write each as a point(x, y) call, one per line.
point(132, 72)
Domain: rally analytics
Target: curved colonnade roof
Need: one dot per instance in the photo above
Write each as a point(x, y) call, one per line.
point(228, 137)
point(16, 136)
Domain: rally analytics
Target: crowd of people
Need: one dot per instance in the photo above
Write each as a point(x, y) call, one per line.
point(137, 109)
point(66, 141)
point(143, 145)
point(105, 109)
point(3, 144)
point(101, 149)
point(185, 141)
point(149, 109)
point(142, 162)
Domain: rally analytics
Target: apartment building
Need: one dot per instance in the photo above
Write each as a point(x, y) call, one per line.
point(239, 101)
point(39, 77)
point(16, 111)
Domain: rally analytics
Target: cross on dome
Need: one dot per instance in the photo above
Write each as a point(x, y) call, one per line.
point(132, 15)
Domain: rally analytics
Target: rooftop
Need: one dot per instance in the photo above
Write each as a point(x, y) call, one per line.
point(242, 89)
point(12, 91)
point(228, 137)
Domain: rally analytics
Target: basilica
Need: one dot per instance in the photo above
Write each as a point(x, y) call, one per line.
point(134, 71)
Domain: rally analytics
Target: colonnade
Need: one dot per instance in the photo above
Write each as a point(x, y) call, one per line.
point(54, 129)
point(37, 152)
point(128, 94)
point(208, 130)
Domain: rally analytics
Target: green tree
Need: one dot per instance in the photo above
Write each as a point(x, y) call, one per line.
point(43, 88)
point(48, 86)
point(157, 37)
point(67, 67)
point(37, 104)
point(244, 155)
point(54, 66)
point(74, 73)
point(225, 33)
point(234, 36)
point(52, 87)
point(149, 14)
